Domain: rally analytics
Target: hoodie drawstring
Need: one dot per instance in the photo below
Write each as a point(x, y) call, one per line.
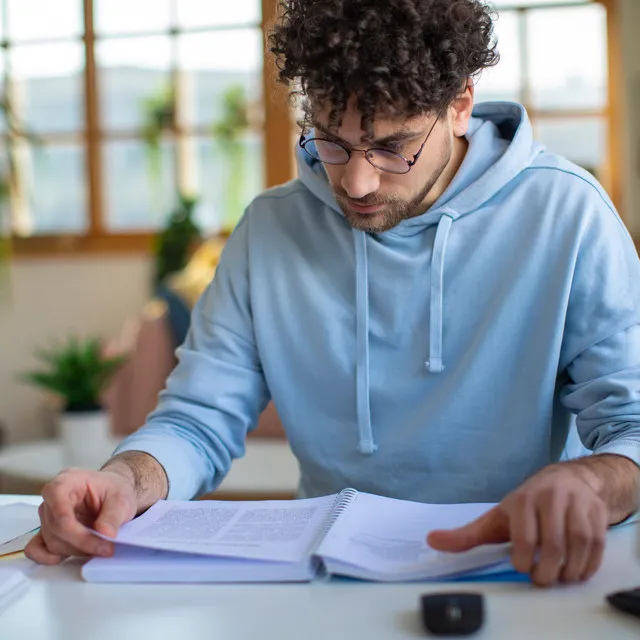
point(366, 444)
point(435, 364)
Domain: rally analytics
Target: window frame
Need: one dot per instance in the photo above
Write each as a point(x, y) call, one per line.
point(611, 113)
point(278, 156)
point(278, 159)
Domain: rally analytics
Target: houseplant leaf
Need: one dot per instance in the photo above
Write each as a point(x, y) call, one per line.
point(77, 371)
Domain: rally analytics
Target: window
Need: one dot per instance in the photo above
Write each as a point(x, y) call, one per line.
point(122, 107)
point(554, 60)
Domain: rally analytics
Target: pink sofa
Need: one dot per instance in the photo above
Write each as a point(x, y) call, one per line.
point(133, 392)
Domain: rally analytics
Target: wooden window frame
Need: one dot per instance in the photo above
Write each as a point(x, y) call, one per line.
point(612, 113)
point(278, 159)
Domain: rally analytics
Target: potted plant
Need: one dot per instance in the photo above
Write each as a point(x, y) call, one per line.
point(76, 373)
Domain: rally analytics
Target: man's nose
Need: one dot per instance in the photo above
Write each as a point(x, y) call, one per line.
point(360, 178)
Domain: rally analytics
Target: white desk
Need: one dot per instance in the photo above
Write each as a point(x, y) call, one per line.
point(59, 606)
point(268, 469)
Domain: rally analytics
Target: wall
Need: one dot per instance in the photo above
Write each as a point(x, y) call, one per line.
point(630, 27)
point(48, 300)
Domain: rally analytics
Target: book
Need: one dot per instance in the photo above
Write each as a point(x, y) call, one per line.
point(353, 534)
point(14, 548)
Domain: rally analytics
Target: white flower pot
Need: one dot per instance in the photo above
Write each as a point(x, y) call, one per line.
point(85, 438)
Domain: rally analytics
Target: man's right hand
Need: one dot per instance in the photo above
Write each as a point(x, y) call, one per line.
point(75, 502)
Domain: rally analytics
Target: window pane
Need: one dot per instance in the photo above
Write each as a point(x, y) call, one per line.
point(48, 88)
point(132, 71)
point(140, 189)
point(576, 78)
point(208, 78)
point(127, 16)
point(229, 177)
point(55, 179)
point(503, 82)
point(581, 140)
point(38, 19)
point(195, 13)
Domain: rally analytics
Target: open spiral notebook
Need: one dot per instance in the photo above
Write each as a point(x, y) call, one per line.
point(353, 534)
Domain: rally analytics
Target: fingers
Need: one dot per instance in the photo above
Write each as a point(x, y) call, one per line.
point(37, 551)
point(599, 523)
point(57, 543)
point(551, 539)
point(579, 535)
point(115, 511)
point(63, 533)
point(569, 541)
point(490, 528)
point(524, 533)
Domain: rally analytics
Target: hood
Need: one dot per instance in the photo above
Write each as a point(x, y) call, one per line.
point(500, 147)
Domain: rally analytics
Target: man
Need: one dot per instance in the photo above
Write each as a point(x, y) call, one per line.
point(427, 304)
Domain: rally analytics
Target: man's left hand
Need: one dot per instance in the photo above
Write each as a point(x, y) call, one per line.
point(556, 522)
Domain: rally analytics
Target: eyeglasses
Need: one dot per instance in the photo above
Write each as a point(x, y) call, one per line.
point(331, 152)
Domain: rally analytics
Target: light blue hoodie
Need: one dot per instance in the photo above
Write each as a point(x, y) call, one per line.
point(436, 362)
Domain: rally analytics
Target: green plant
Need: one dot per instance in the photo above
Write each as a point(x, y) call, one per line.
point(159, 116)
point(229, 130)
point(235, 117)
point(174, 242)
point(77, 372)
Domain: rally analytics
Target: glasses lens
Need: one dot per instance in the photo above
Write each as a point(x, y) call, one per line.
point(387, 161)
point(326, 151)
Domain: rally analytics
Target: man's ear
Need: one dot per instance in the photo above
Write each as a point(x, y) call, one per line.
point(461, 109)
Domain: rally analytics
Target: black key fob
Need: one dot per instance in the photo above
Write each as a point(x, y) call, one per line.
point(455, 613)
point(627, 601)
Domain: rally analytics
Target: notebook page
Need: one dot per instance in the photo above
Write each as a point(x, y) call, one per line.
point(17, 519)
point(16, 545)
point(276, 530)
point(387, 538)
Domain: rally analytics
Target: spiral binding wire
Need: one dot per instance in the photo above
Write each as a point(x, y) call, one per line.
point(345, 498)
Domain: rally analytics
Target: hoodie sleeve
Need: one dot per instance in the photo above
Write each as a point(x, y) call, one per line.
point(217, 391)
point(601, 342)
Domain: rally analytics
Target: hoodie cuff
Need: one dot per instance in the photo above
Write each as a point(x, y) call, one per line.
point(180, 463)
point(628, 447)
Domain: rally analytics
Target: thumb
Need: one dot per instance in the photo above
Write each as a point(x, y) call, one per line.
point(113, 514)
point(490, 528)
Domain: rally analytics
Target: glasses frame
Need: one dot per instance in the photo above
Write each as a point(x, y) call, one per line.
point(410, 163)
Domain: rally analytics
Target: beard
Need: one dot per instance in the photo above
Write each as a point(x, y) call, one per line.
point(396, 209)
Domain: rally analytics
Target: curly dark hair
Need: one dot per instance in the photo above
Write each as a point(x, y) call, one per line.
point(395, 56)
